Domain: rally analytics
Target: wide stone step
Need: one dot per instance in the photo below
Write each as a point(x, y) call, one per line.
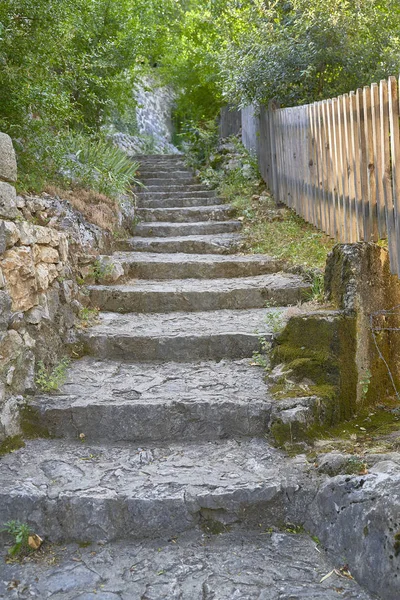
point(224, 243)
point(191, 214)
point(193, 187)
point(199, 294)
point(114, 401)
point(157, 229)
point(233, 565)
point(149, 265)
point(167, 195)
point(164, 173)
point(172, 202)
point(169, 181)
point(178, 336)
point(74, 491)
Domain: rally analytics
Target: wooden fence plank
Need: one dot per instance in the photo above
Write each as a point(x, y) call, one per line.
point(377, 147)
point(356, 164)
point(369, 167)
point(335, 154)
point(341, 172)
point(385, 174)
point(312, 167)
point(361, 157)
point(393, 95)
point(351, 229)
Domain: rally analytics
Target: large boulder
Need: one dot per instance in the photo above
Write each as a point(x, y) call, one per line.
point(8, 162)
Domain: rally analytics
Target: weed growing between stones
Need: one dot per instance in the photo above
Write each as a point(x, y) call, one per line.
point(21, 532)
point(88, 317)
point(51, 379)
point(316, 293)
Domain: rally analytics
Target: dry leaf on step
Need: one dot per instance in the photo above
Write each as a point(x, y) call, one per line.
point(34, 542)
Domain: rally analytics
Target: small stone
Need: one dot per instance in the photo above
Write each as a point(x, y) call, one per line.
point(8, 206)
point(45, 254)
point(35, 315)
point(42, 277)
point(10, 375)
point(63, 247)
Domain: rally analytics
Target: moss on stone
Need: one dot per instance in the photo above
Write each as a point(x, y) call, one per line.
point(214, 527)
point(31, 426)
point(10, 444)
point(396, 544)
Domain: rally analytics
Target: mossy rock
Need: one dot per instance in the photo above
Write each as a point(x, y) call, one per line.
point(30, 422)
point(10, 444)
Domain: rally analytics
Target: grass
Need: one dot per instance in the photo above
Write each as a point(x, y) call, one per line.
point(280, 232)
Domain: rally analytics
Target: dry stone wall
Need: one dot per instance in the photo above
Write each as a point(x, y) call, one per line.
point(45, 248)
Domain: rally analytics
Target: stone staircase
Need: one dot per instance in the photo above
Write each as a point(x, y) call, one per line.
point(158, 439)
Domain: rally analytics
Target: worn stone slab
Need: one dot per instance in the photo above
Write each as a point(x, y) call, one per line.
point(176, 202)
point(190, 295)
point(169, 180)
point(178, 336)
point(192, 566)
point(224, 243)
point(163, 173)
point(82, 491)
point(186, 214)
point(149, 265)
point(156, 229)
point(174, 187)
point(358, 518)
point(175, 195)
point(114, 401)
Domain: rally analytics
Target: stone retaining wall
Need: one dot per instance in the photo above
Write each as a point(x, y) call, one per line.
point(40, 299)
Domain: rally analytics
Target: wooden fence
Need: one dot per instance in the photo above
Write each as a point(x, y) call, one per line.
point(336, 162)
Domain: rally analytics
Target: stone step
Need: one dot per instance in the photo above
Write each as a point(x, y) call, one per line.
point(173, 187)
point(167, 181)
point(199, 294)
point(171, 174)
point(167, 195)
point(112, 402)
point(157, 229)
point(149, 265)
point(224, 243)
point(181, 202)
point(74, 491)
point(239, 565)
point(189, 214)
point(178, 336)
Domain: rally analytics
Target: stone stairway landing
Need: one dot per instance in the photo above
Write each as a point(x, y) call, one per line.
point(158, 440)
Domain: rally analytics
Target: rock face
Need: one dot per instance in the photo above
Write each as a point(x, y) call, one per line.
point(153, 119)
point(357, 519)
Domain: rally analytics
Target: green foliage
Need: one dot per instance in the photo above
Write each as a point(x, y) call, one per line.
point(316, 293)
point(20, 532)
point(275, 320)
point(98, 165)
point(199, 142)
point(88, 317)
point(300, 51)
point(51, 379)
point(71, 65)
